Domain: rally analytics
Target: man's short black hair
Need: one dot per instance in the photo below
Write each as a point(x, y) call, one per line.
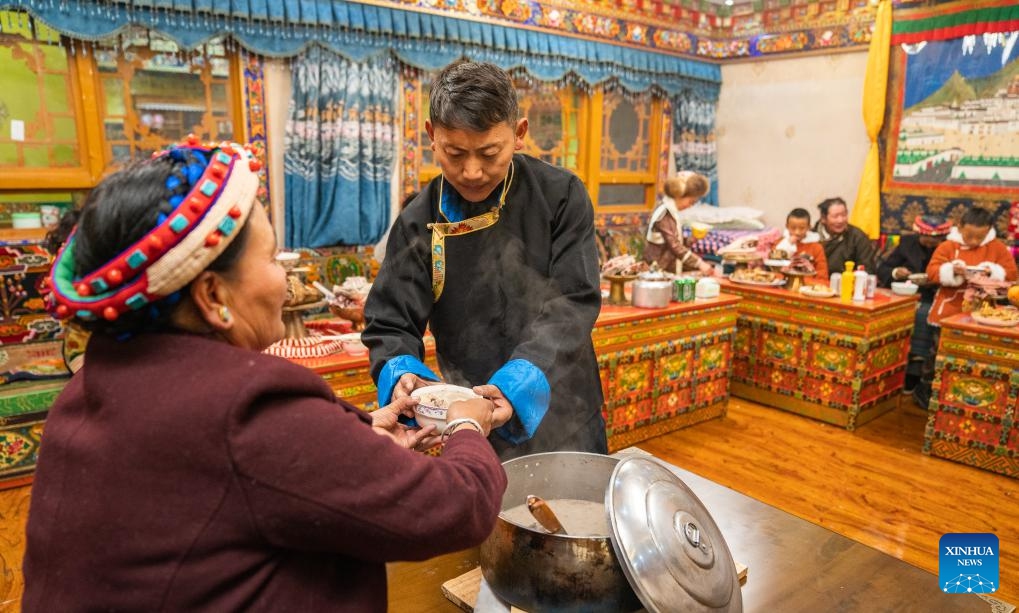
point(472, 96)
point(799, 214)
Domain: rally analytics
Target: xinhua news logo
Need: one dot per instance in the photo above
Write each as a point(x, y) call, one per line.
point(968, 563)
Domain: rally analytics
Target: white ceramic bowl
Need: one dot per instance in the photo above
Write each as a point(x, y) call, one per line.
point(904, 288)
point(434, 401)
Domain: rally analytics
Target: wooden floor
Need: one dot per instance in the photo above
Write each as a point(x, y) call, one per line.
point(873, 486)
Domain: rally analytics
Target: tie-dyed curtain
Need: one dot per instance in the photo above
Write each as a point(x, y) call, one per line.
point(693, 138)
point(340, 149)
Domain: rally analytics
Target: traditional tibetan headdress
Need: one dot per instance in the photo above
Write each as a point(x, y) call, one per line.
point(223, 182)
point(929, 225)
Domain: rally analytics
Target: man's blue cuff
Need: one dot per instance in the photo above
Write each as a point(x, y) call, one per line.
point(396, 368)
point(527, 389)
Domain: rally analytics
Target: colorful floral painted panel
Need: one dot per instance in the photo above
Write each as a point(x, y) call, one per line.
point(969, 430)
point(973, 393)
point(711, 360)
point(674, 403)
point(19, 447)
point(831, 359)
point(780, 348)
point(674, 369)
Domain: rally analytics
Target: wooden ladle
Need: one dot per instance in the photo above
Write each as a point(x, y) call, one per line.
point(544, 514)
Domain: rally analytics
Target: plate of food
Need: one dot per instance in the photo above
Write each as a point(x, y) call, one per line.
point(757, 276)
point(999, 317)
point(977, 272)
point(623, 266)
point(817, 291)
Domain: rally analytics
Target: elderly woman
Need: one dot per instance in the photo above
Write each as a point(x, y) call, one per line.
point(842, 241)
point(182, 468)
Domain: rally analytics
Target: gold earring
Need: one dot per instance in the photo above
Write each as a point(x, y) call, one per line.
point(224, 314)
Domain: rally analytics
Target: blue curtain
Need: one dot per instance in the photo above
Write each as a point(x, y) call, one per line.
point(340, 149)
point(693, 137)
point(429, 41)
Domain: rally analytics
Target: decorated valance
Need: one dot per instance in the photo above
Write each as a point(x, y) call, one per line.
point(955, 21)
point(283, 28)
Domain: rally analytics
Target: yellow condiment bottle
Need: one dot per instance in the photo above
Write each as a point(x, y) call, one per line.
point(848, 282)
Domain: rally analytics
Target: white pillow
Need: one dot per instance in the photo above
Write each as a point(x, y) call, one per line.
point(717, 215)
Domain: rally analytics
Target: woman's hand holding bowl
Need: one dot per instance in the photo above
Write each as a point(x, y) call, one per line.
point(385, 422)
point(479, 409)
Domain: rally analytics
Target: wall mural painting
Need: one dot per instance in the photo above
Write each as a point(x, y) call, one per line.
point(958, 104)
point(951, 129)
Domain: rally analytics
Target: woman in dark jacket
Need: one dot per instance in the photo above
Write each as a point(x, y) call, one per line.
point(182, 469)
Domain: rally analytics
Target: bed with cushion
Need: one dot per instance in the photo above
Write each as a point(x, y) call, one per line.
point(727, 225)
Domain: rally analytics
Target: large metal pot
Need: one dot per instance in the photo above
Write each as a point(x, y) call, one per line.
point(665, 551)
point(537, 571)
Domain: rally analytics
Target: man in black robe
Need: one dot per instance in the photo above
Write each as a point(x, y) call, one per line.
point(497, 258)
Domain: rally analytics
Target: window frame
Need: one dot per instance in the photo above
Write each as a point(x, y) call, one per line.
point(87, 98)
point(595, 177)
point(235, 108)
point(83, 104)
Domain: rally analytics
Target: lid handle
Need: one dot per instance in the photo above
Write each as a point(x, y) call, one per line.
point(693, 533)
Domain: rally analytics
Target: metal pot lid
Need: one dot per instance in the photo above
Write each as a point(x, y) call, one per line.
point(671, 551)
point(653, 275)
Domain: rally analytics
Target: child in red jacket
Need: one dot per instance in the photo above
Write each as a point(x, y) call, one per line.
point(972, 244)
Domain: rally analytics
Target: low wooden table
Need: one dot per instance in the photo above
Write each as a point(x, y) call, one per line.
point(975, 401)
point(664, 369)
point(23, 409)
point(842, 363)
point(661, 369)
point(793, 566)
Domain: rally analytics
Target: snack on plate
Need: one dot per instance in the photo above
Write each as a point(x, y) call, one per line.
point(352, 294)
point(779, 254)
point(755, 275)
point(996, 316)
point(817, 291)
point(624, 266)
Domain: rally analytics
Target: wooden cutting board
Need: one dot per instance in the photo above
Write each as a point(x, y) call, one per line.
point(463, 590)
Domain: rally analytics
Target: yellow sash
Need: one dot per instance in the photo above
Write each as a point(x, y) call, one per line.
point(441, 230)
